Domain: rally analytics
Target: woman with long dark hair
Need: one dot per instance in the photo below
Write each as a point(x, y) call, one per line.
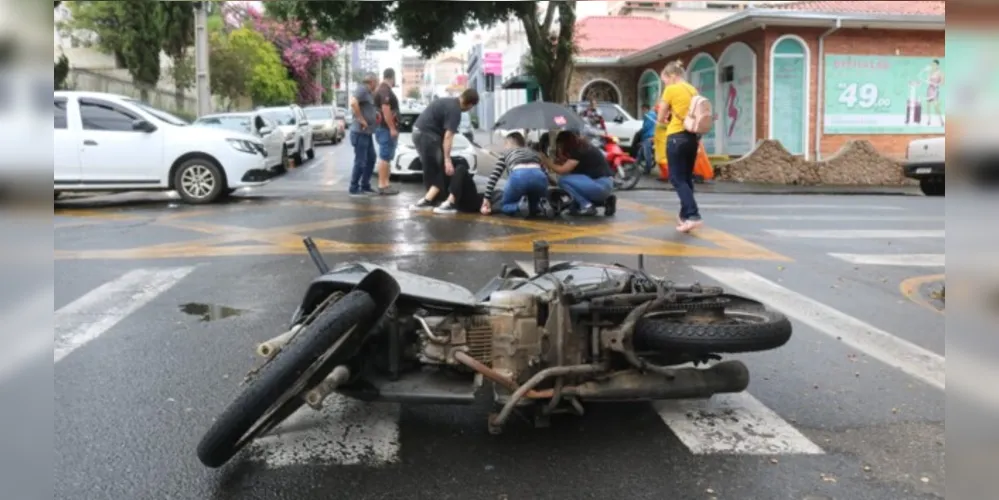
point(584, 174)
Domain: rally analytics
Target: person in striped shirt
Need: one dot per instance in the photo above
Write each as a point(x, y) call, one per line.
point(527, 179)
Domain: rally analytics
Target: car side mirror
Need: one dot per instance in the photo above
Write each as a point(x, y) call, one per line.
point(265, 130)
point(143, 126)
point(619, 119)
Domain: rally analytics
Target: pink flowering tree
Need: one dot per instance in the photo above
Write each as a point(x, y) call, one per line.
point(302, 53)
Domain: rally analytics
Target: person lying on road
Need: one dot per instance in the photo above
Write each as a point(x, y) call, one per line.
point(463, 195)
point(527, 179)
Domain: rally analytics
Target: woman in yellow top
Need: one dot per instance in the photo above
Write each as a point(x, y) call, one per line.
point(681, 146)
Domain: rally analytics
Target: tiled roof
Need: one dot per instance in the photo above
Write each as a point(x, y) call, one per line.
point(608, 36)
point(915, 8)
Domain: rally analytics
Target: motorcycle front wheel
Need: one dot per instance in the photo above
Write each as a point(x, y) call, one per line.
point(277, 390)
point(733, 331)
point(628, 175)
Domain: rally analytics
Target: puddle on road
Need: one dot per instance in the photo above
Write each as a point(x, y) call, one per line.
point(210, 312)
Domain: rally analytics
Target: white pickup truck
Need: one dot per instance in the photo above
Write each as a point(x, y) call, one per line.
point(924, 161)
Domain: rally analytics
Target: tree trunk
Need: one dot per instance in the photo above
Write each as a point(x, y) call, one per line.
point(556, 54)
point(178, 99)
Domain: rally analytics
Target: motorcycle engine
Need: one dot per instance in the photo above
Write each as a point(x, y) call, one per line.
point(509, 340)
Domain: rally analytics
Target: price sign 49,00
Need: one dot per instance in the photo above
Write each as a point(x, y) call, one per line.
point(864, 95)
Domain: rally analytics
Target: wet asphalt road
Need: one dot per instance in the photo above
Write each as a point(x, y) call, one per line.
point(132, 402)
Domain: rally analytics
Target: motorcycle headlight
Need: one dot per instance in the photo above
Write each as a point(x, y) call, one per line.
point(244, 146)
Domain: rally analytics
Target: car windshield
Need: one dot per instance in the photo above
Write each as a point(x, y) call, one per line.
point(159, 114)
point(236, 123)
point(283, 116)
point(406, 121)
point(319, 113)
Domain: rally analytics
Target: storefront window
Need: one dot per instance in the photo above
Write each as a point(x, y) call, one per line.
point(703, 74)
point(649, 90)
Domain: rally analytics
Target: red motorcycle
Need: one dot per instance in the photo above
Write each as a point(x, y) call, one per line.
point(626, 170)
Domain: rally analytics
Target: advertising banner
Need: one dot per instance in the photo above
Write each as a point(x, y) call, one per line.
point(492, 63)
point(884, 95)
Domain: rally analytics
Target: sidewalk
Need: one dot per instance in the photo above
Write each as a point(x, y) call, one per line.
point(652, 183)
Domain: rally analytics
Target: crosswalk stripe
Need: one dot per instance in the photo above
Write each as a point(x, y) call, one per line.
point(914, 360)
point(908, 260)
point(89, 316)
point(852, 234)
point(727, 423)
point(834, 218)
point(344, 432)
point(730, 424)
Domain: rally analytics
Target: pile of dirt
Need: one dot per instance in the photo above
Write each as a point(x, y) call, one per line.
point(857, 163)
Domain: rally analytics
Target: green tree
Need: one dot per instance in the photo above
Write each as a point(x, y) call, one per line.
point(431, 29)
point(178, 37)
point(245, 64)
point(61, 72)
point(413, 93)
point(105, 20)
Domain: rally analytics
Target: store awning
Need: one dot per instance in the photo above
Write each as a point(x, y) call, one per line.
point(520, 82)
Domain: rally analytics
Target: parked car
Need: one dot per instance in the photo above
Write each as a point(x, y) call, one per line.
point(348, 116)
point(325, 126)
point(465, 128)
point(255, 124)
point(107, 142)
point(296, 129)
point(924, 161)
point(619, 123)
point(342, 120)
point(407, 162)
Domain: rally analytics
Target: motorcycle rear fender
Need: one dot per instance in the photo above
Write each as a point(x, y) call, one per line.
point(368, 277)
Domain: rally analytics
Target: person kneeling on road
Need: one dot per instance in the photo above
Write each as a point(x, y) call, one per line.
point(584, 174)
point(527, 179)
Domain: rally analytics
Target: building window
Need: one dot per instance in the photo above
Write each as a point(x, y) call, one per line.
point(789, 105)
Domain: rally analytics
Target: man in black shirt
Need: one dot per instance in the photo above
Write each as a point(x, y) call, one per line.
point(583, 173)
point(387, 132)
point(433, 136)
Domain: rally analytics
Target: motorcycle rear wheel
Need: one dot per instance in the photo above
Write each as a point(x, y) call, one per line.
point(632, 174)
point(737, 331)
point(276, 391)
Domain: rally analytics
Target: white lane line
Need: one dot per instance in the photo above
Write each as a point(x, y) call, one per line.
point(907, 260)
point(733, 424)
point(727, 423)
point(88, 317)
point(914, 360)
point(852, 234)
point(809, 206)
point(857, 218)
point(344, 432)
point(25, 336)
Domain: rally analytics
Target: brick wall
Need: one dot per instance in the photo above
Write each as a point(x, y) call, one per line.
point(621, 77)
point(857, 42)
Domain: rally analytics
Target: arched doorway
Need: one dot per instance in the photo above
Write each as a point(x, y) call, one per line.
point(703, 74)
point(650, 88)
point(601, 90)
point(789, 100)
point(737, 96)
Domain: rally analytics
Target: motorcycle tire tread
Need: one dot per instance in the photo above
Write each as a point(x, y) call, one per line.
point(666, 336)
point(222, 441)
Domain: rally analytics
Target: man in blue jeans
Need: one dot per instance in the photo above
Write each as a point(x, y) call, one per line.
point(527, 180)
point(387, 131)
point(646, 156)
point(362, 104)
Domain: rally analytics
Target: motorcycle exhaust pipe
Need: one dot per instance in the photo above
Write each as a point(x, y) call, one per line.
point(687, 383)
point(318, 394)
point(268, 348)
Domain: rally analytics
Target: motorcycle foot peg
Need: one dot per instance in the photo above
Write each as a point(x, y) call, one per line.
point(270, 347)
point(319, 393)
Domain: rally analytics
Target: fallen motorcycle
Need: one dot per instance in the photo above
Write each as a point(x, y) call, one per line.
point(570, 334)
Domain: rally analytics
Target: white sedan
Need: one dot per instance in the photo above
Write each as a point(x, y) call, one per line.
point(255, 124)
point(407, 162)
point(112, 143)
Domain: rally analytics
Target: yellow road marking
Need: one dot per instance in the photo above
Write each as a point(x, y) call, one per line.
point(564, 238)
point(912, 287)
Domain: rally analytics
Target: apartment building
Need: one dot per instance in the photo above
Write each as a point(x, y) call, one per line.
point(689, 14)
point(412, 77)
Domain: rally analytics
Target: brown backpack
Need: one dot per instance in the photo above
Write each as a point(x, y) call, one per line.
point(700, 116)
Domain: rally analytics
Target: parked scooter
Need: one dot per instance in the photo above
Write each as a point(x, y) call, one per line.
point(627, 171)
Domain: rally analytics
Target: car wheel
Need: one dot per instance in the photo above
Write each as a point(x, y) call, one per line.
point(199, 181)
point(284, 160)
point(311, 153)
point(932, 186)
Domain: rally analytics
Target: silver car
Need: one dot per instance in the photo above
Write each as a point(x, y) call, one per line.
point(256, 124)
point(325, 126)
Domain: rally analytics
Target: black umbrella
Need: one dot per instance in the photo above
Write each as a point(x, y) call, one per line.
point(540, 115)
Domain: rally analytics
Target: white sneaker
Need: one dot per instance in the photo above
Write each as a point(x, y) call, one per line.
point(445, 208)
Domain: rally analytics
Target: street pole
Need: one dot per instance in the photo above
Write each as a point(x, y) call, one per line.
point(202, 82)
